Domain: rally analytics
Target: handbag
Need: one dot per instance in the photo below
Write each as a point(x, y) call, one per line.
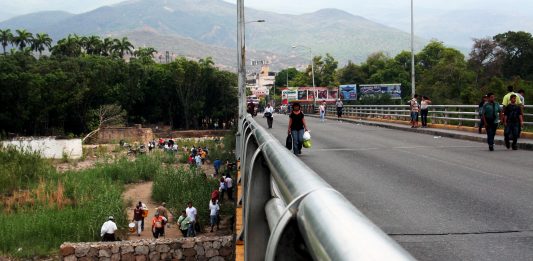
point(288, 142)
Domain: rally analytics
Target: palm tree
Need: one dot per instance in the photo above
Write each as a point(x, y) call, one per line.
point(122, 47)
point(22, 39)
point(107, 46)
point(92, 44)
point(40, 42)
point(70, 46)
point(6, 37)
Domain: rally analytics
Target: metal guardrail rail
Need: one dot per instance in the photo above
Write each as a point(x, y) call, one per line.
point(445, 114)
point(290, 213)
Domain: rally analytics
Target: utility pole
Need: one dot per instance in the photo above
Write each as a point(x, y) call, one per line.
point(413, 88)
point(241, 61)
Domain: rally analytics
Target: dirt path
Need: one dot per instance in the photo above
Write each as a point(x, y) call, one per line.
point(143, 192)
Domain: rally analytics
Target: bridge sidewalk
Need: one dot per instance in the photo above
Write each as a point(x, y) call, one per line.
point(439, 130)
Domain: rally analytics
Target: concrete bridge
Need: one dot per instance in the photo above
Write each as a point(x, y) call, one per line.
point(409, 194)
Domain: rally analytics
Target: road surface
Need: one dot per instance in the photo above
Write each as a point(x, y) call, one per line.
point(440, 198)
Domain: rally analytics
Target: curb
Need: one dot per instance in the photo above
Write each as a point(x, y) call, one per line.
point(522, 146)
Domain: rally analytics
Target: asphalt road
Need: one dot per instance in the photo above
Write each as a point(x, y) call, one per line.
point(440, 198)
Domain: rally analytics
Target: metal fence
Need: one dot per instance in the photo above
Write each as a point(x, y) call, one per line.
point(441, 114)
point(290, 213)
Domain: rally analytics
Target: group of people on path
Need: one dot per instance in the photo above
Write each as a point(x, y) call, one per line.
point(510, 113)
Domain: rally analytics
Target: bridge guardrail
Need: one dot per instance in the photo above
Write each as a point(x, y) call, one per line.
point(290, 213)
point(445, 114)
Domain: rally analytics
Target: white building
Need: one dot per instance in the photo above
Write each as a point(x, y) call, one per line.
point(261, 83)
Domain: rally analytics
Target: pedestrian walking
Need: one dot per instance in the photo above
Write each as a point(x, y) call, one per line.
point(229, 187)
point(297, 127)
point(521, 95)
point(269, 114)
point(183, 223)
point(339, 105)
point(222, 187)
point(216, 164)
point(322, 110)
point(107, 232)
point(138, 219)
point(507, 98)
point(513, 122)
point(414, 107)
point(214, 208)
point(191, 213)
point(491, 117)
point(424, 110)
point(144, 210)
point(484, 100)
point(158, 225)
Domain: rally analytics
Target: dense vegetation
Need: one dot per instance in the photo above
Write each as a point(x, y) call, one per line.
point(442, 73)
point(59, 94)
point(42, 208)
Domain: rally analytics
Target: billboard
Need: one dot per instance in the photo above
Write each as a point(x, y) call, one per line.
point(394, 90)
point(348, 92)
point(288, 96)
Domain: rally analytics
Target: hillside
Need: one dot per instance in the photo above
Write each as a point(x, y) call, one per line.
point(199, 28)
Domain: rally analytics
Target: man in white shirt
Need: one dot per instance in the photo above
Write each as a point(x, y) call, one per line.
point(521, 94)
point(107, 232)
point(229, 187)
point(269, 112)
point(214, 208)
point(191, 213)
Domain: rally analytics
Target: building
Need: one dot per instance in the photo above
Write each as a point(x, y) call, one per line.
point(262, 82)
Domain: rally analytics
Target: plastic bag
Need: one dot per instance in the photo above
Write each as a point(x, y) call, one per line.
point(307, 135)
point(307, 144)
point(288, 142)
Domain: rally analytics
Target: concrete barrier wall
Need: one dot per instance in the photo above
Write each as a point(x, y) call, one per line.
point(197, 248)
point(128, 134)
point(49, 147)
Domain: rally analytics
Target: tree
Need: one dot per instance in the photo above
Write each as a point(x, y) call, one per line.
point(146, 55)
point(122, 47)
point(6, 37)
point(91, 44)
point(485, 60)
point(70, 46)
point(351, 73)
point(22, 39)
point(106, 115)
point(517, 48)
point(40, 42)
point(285, 75)
point(106, 48)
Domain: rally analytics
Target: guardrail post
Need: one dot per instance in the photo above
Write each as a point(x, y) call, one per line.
point(459, 116)
point(476, 124)
point(256, 229)
point(446, 115)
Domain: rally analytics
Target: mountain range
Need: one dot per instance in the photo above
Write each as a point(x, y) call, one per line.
point(201, 28)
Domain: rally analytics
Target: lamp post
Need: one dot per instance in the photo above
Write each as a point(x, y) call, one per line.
point(312, 71)
point(412, 53)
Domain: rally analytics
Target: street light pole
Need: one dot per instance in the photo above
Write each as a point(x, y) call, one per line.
point(412, 53)
point(312, 71)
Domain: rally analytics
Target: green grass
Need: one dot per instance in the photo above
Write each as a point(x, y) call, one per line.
point(43, 208)
point(53, 208)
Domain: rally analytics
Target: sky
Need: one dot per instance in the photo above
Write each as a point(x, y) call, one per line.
point(453, 21)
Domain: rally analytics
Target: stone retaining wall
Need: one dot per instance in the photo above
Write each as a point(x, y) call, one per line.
point(197, 248)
